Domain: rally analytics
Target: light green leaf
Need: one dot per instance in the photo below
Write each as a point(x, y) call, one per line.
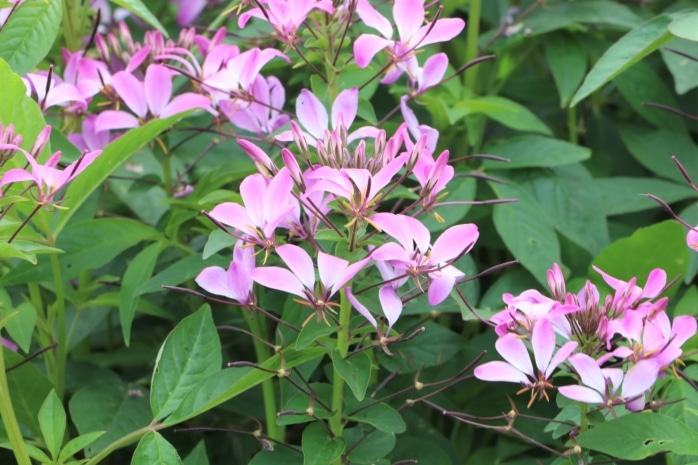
point(372, 448)
point(313, 330)
point(198, 455)
point(18, 109)
point(685, 25)
point(52, 421)
point(318, 447)
point(684, 69)
point(511, 114)
point(77, 444)
point(568, 63)
point(153, 449)
point(356, 371)
point(138, 8)
point(191, 352)
point(627, 51)
point(28, 389)
point(139, 270)
point(21, 326)
point(627, 195)
point(29, 34)
point(218, 240)
point(640, 435)
point(529, 151)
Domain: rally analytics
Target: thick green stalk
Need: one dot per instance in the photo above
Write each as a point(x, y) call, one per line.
point(57, 312)
point(572, 124)
point(8, 417)
point(584, 423)
point(471, 50)
point(258, 328)
point(336, 425)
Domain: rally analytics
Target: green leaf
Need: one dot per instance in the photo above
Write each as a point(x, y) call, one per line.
point(139, 270)
point(180, 271)
point(318, 447)
point(572, 201)
point(138, 8)
point(626, 195)
point(356, 371)
point(25, 250)
point(661, 245)
point(684, 25)
point(313, 330)
point(21, 326)
point(684, 70)
point(191, 351)
point(111, 158)
point(218, 240)
point(653, 148)
point(640, 435)
point(568, 63)
point(566, 14)
point(28, 389)
point(279, 455)
point(300, 402)
point(29, 34)
point(507, 112)
point(630, 49)
point(460, 191)
point(77, 444)
point(88, 245)
point(374, 447)
point(111, 407)
point(33, 452)
point(226, 384)
point(526, 230)
point(533, 151)
point(153, 449)
point(18, 109)
point(52, 421)
point(198, 455)
point(381, 416)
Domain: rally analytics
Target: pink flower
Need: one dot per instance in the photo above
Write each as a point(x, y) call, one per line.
point(300, 280)
point(263, 116)
point(518, 367)
point(236, 282)
point(409, 19)
point(692, 238)
point(601, 384)
point(152, 96)
point(90, 139)
point(9, 344)
point(416, 256)
point(629, 295)
point(286, 16)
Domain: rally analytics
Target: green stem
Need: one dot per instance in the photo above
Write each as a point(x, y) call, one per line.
point(336, 425)
point(258, 327)
point(471, 50)
point(584, 423)
point(572, 124)
point(122, 442)
point(8, 417)
point(58, 313)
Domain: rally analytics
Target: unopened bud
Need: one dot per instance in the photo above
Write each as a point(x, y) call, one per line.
point(40, 142)
point(264, 164)
point(293, 168)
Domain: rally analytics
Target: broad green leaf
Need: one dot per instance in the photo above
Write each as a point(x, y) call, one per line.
point(29, 34)
point(684, 70)
point(568, 63)
point(77, 444)
point(25, 250)
point(572, 200)
point(507, 112)
point(526, 230)
point(111, 158)
point(191, 352)
point(153, 449)
point(312, 330)
point(453, 206)
point(139, 270)
point(88, 245)
point(596, 12)
point(532, 151)
point(218, 240)
point(641, 84)
point(21, 326)
point(684, 25)
point(374, 447)
point(381, 416)
point(138, 8)
point(52, 421)
point(661, 245)
point(626, 195)
point(627, 51)
point(355, 371)
point(18, 109)
point(653, 148)
point(28, 389)
point(640, 435)
point(226, 384)
point(112, 407)
point(198, 455)
point(318, 447)
point(180, 271)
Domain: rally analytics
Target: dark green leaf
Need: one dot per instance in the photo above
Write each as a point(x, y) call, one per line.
point(533, 151)
point(381, 416)
point(625, 195)
point(139, 270)
point(511, 114)
point(313, 330)
point(198, 455)
point(374, 447)
point(77, 444)
point(318, 447)
point(627, 51)
point(180, 271)
point(640, 435)
point(28, 389)
point(52, 421)
point(153, 449)
point(191, 352)
point(355, 371)
point(460, 191)
point(301, 402)
point(568, 63)
point(29, 34)
point(684, 70)
point(279, 455)
point(218, 240)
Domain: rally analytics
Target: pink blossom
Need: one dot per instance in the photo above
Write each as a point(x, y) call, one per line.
point(692, 238)
point(264, 115)
point(286, 16)
point(235, 282)
point(629, 295)
point(90, 139)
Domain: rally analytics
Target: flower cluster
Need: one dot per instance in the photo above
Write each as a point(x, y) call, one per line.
point(618, 346)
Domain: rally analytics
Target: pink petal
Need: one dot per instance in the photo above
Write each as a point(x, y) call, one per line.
point(560, 356)
point(391, 303)
point(235, 215)
point(514, 351)
point(391, 251)
point(214, 280)
point(409, 16)
point(589, 372)
point(440, 288)
point(581, 394)
point(331, 269)
point(444, 30)
point(371, 18)
point(110, 119)
point(366, 46)
point(131, 92)
point(360, 307)
point(433, 71)
point(543, 342)
point(655, 283)
point(63, 93)
point(278, 278)
point(311, 113)
point(500, 371)
point(299, 262)
point(15, 175)
point(639, 378)
point(252, 190)
point(405, 229)
point(185, 102)
point(692, 239)
point(350, 272)
point(445, 248)
point(278, 196)
point(345, 107)
point(158, 88)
